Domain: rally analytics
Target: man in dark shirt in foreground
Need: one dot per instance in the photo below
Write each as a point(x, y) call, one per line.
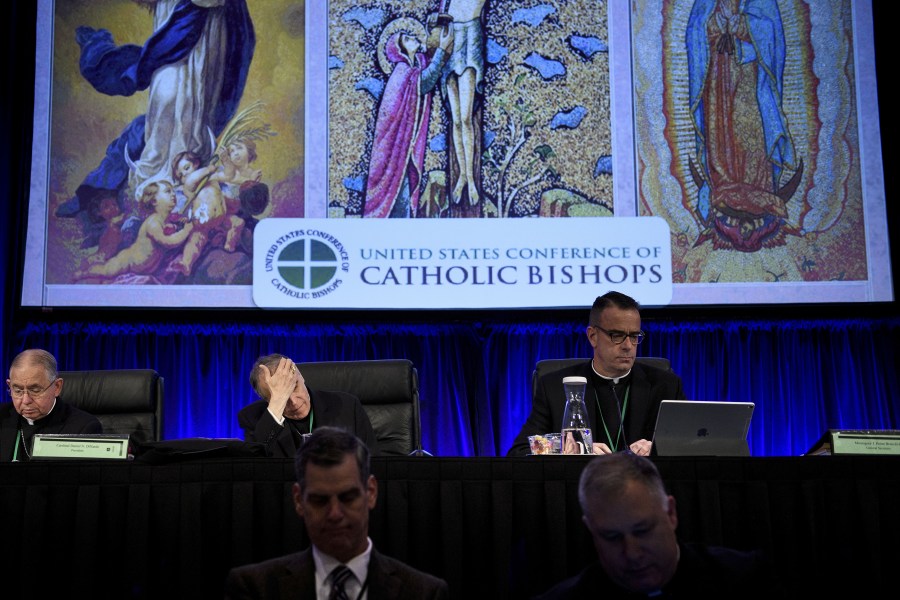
point(632, 522)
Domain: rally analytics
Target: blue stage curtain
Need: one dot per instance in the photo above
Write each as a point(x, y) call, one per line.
point(475, 378)
point(206, 367)
point(804, 376)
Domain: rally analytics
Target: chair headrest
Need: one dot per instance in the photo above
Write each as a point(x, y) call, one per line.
point(372, 381)
point(111, 391)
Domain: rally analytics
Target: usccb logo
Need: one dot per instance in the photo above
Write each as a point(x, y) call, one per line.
point(306, 264)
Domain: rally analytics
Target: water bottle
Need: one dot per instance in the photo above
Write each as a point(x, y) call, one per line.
point(576, 427)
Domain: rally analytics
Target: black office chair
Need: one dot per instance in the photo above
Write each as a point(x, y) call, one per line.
point(124, 400)
point(549, 365)
point(388, 391)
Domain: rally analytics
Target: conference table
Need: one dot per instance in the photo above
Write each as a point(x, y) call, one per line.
point(491, 526)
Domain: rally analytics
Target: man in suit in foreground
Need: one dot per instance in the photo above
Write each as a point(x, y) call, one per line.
point(288, 409)
point(622, 396)
point(632, 522)
point(34, 385)
point(333, 495)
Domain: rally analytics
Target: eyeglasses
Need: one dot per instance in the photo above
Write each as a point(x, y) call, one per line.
point(617, 337)
point(33, 392)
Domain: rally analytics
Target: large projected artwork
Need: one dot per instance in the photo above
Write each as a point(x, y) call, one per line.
point(450, 125)
point(749, 143)
point(504, 112)
point(173, 128)
point(745, 131)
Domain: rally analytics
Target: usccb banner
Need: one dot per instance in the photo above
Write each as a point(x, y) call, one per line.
point(465, 263)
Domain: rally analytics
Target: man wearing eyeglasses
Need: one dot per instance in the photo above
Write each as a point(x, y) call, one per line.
point(622, 396)
point(34, 385)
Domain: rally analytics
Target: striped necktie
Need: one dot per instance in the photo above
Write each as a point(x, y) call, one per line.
point(339, 577)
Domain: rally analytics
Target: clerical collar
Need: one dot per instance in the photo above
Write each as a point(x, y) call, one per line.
point(31, 422)
point(615, 380)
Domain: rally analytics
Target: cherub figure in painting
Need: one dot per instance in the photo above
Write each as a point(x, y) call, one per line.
point(236, 162)
point(145, 254)
point(245, 193)
point(206, 207)
point(111, 236)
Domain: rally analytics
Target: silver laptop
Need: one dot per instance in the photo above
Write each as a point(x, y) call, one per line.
point(696, 428)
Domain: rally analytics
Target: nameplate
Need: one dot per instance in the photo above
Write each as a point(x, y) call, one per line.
point(865, 442)
point(853, 441)
point(99, 446)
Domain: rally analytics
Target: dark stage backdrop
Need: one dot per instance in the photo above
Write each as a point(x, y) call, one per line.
point(806, 371)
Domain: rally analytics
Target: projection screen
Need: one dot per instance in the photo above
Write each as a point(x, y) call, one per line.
point(409, 154)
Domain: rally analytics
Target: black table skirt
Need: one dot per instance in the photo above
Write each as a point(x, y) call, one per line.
point(510, 527)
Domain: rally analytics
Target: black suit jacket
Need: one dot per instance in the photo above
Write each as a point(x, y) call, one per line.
point(649, 387)
point(335, 409)
point(294, 576)
point(703, 572)
point(62, 419)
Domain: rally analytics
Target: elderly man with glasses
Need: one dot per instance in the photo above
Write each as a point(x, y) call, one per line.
point(34, 385)
point(622, 396)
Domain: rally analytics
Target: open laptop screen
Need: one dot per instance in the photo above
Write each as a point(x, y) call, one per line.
point(698, 428)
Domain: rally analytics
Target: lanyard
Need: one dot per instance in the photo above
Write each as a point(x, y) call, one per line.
point(16, 448)
point(294, 427)
point(620, 433)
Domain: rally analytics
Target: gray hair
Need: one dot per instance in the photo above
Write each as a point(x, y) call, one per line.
point(270, 361)
point(609, 474)
point(41, 358)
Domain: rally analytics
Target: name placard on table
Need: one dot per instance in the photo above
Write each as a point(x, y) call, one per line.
point(112, 446)
point(856, 441)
